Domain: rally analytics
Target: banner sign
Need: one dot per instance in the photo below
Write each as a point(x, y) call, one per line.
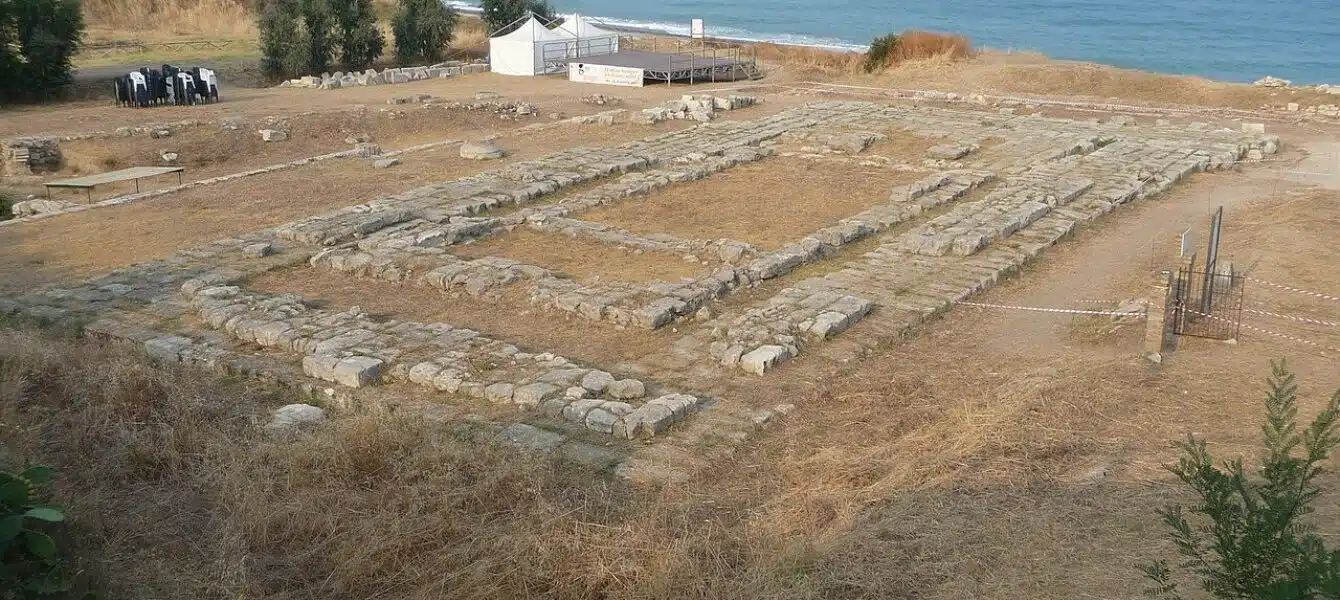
point(604, 74)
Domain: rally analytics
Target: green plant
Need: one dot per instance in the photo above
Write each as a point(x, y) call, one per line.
point(30, 566)
point(1249, 541)
point(880, 51)
point(502, 15)
point(360, 39)
point(38, 39)
point(422, 29)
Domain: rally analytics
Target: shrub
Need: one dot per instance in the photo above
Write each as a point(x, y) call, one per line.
point(30, 566)
point(500, 14)
point(1250, 542)
point(361, 41)
point(422, 29)
point(914, 45)
point(38, 39)
point(880, 51)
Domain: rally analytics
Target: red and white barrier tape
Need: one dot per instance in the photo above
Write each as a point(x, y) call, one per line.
point(1291, 318)
point(1068, 311)
point(1277, 334)
point(1295, 290)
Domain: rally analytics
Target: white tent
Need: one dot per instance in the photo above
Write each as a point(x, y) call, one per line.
point(591, 38)
point(521, 52)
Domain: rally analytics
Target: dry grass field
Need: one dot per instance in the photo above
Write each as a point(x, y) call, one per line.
point(986, 454)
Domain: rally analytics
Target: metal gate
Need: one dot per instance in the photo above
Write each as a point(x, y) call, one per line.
point(1207, 304)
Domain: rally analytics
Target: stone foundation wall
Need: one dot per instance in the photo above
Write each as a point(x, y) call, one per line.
point(29, 155)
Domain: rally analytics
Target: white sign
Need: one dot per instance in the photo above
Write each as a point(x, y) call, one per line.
point(696, 30)
point(605, 74)
point(1186, 243)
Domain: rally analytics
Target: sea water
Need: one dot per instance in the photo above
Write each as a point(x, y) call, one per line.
point(1232, 40)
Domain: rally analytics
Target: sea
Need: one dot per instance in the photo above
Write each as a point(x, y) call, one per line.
point(1229, 40)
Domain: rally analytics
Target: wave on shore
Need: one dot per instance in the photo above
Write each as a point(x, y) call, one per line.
point(682, 30)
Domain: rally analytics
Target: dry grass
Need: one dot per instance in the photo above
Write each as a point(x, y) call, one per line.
point(156, 19)
point(728, 204)
point(918, 45)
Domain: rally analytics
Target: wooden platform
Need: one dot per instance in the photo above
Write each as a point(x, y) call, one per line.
point(132, 174)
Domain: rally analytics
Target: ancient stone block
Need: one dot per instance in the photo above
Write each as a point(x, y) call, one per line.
point(626, 389)
point(763, 358)
point(357, 371)
point(597, 381)
point(531, 438)
point(499, 392)
point(530, 396)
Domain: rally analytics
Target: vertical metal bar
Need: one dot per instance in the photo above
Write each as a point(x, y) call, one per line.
point(692, 65)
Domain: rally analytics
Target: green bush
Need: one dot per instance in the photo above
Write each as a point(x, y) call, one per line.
point(30, 565)
point(422, 29)
point(38, 40)
point(6, 206)
point(500, 14)
point(880, 50)
point(361, 41)
point(1249, 541)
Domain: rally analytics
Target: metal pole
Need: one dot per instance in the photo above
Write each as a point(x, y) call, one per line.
point(692, 66)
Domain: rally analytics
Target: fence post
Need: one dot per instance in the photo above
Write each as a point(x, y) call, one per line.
point(1160, 333)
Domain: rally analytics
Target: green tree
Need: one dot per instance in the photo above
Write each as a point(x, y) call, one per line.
point(422, 29)
point(38, 40)
point(283, 49)
point(501, 16)
point(1248, 541)
point(361, 41)
point(318, 24)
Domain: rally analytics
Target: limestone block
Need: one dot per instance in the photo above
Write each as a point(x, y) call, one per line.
point(601, 420)
point(596, 381)
point(357, 371)
point(645, 421)
point(167, 347)
point(320, 366)
point(385, 163)
point(626, 389)
point(485, 150)
point(297, 415)
point(499, 392)
point(530, 396)
point(273, 135)
point(763, 358)
point(531, 438)
point(259, 250)
point(577, 411)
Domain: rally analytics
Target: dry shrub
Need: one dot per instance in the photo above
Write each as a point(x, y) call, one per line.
point(913, 45)
point(471, 37)
point(153, 18)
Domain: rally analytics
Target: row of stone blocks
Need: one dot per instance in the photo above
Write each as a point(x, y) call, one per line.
point(351, 350)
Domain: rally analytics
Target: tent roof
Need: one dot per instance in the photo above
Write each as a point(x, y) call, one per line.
point(585, 27)
point(533, 31)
